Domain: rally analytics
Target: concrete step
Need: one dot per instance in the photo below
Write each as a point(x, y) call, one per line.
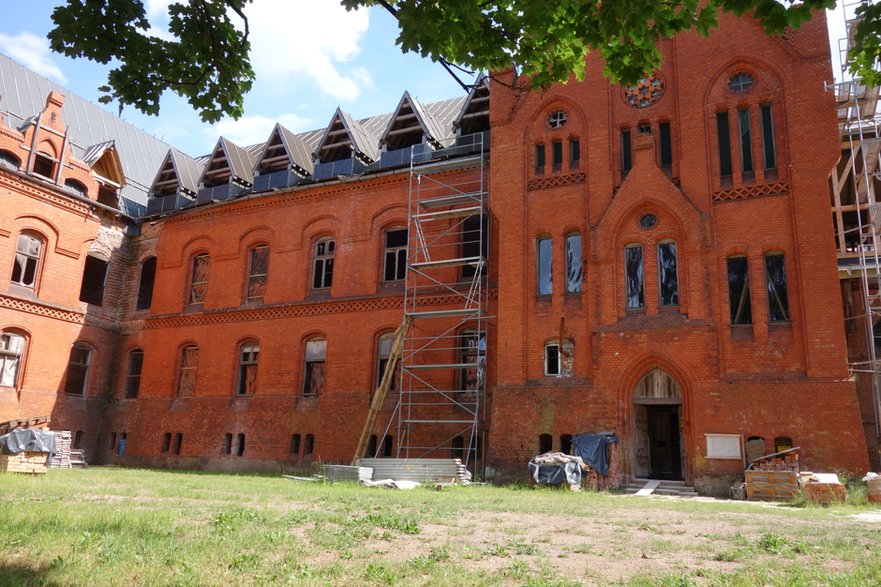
point(672, 488)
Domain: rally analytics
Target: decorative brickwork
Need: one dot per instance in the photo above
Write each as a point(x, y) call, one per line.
point(553, 181)
point(779, 188)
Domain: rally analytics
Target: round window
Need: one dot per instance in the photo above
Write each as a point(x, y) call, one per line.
point(645, 92)
point(557, 119)
point(740, 82)
point(648, 220)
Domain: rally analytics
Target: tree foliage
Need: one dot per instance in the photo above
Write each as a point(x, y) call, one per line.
point(205, 57)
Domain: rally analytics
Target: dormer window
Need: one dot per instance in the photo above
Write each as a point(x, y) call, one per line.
point(44, 165)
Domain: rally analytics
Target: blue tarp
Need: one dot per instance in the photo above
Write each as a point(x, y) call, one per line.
point(593, 450)
point(28, 440)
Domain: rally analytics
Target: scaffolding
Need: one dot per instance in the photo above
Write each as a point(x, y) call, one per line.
point(855, 207)
point(441, 404)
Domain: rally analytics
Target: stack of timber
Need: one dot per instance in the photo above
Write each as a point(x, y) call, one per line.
point(421, 470)
point(773, 477)
point(61, 459)
point(338, 473)
point(33, 463)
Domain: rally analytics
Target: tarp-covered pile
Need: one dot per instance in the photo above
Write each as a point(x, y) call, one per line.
point(27, 440)
point(553, 468)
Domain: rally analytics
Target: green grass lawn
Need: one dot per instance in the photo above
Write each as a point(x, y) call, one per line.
point(110, 526)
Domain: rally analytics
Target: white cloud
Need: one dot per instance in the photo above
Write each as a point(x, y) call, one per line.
point(32, 52)
point(309, 39)
point(249, 130)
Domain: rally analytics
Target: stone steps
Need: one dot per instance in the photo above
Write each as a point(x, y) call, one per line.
point(672, 488)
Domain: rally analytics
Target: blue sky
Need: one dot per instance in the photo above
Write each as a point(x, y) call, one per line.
point(310, 56)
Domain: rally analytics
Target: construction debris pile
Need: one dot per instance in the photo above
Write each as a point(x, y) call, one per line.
point(593, 464)
point(776, 477)
point(26, 450)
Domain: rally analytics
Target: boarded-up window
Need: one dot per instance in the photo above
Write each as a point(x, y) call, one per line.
point(313, 381)
point(775, 276)
point(559, 362)
point(574, 277)
point(145, 285)
point(249, 352)
point(11, 353)
point(94, 278)
point(386, 341)
point(668, 277)
point(322, 270)
point(544, 267)
point(133, 373)
point(395, 258)
point(78, 369)
point(27, 260)
point(635, 287)
point(738, 290)
point(199, 279)
point(189, 363)
point(258, 272)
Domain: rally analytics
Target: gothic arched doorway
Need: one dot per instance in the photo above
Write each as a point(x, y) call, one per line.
point(657, 403)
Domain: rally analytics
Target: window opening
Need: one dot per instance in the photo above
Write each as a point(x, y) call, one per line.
point(248, 354)
point(371, 447)
point(472, 349)
point(76, 187)
point(559, 363)
point(310, 445)
point(94, 278)
point(666, 143)
point(241, 444)
point(258, 272)
point(768, 151)
point(545, 277)
point(145, 285)
point(539, 159)
point(738, 290)
point(78, 369)
point(178, 442)
point(395, 258)
point(775, 275)
point(112, 440)
point(189, 363)
point(10, 159)
point(11, 352)
point(574, 153)
point(574, 277)
point(782, 443)
point(724, 133)
point(386, 341)
point(77, 440)
point(227, 444)
point(474, 242)
point(295, 445)
point(746, 149)
point(457, 449)
point(557, 156)
point(545, 443)
point(648, 220)
point(313, 381)
point(566, 443)
point(634, 277)
point(199, 279)
point(387, 446)
point(668, 278)
point(27, 260)
point(44, 165)
point(166, 442)
point(557, 119)
point(322, 271)
point(133, 373)
point(740, 83)
point(626, 153)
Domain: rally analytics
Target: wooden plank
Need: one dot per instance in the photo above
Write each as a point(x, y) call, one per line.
point(648, 488)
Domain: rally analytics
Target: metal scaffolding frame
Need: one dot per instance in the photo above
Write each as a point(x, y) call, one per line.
point(856, 210)
point(441, 404)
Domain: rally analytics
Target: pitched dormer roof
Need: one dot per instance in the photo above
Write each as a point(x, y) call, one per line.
point(177, 174)
point(343, 136)
point(474, 116)
point(104, 161)
point(227, 161)
point(282, 149)
point(409, 123)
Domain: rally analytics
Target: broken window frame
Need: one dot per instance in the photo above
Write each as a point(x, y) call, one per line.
point(776, 287)
point(44, 165)
point(634, 277)
point(739, 299)
point(79, 364)
point(188, 371)
point(26, 264)
point(322, 263)
point(668, 274)
point(394, 264)
point(258, 274)
point(95, 271)
point(544, 266)
point(199, 272)
point(472, 351)
point(574, 265)
point(556, 363)
point(249, 356)
point(12, 351)
point(133, 373)
point(314, 371)
point(146, 283)
point(383, 352)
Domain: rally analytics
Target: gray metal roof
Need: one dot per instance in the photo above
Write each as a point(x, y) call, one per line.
point(298, 152)
point(23, 94)
point(186, 170)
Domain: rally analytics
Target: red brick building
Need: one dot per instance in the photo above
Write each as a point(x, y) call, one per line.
point(655, 261)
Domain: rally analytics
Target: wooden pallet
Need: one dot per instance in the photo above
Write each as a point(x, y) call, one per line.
point(771, 485)
point(33, 463)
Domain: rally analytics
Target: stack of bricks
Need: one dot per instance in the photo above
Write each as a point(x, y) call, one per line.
point(788, 462)
point(33, 463)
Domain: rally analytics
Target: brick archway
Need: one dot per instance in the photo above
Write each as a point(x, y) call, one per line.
point(658, 434)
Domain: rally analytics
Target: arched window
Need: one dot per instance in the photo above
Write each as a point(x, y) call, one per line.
point(295, 445)
point(145, 285)
point(133, 373)
point(322, 264)
point(313, 379)
point(12, 348)
point(258, 272)
point(574, 276)
point(566, 443)
point(241, 444)
point(189, 364)
point(94, 280)
point(28, 253)
point(76, 187)
point(545, 443)
point(78, 369)
point(633, 276)
point(395, 256)
point(248, 355)
point(544, 269)
point(310, 445)
point(8, 159)
point(198, 279)
point(668, 276)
